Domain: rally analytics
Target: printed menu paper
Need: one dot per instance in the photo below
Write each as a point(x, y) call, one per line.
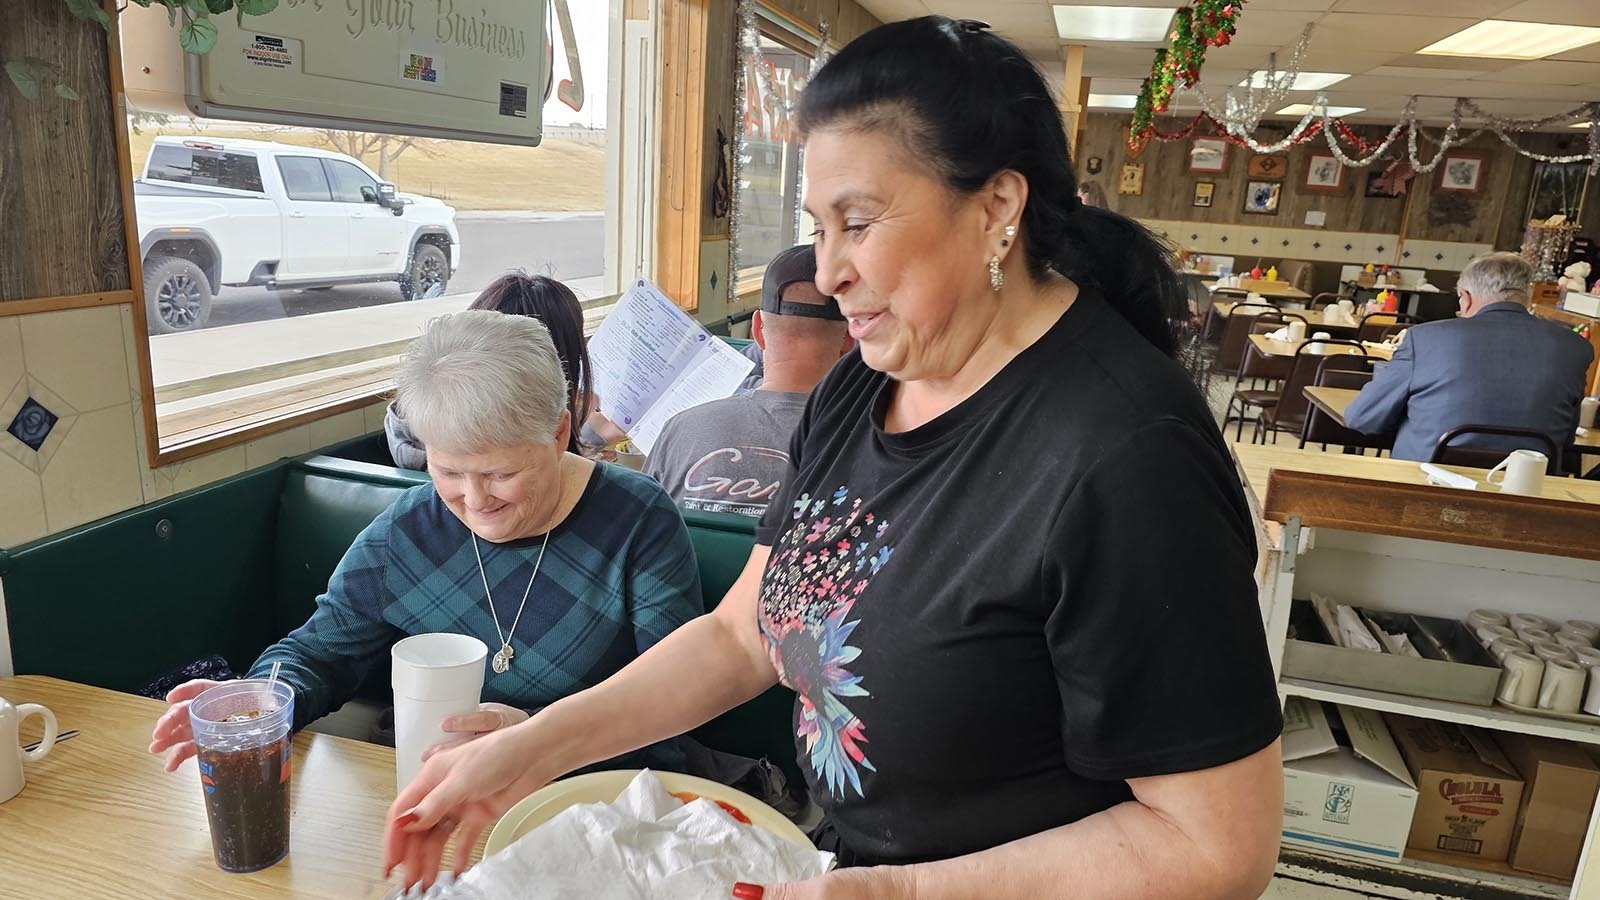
point(652, 361)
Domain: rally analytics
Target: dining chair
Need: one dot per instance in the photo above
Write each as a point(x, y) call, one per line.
point(1352, 372)
point(1373, 324)
point(1258, 368)
point(1447, 452)
point(1288, 414)
point(1235, 334)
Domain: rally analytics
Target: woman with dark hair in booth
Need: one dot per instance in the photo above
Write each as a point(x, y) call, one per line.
point(1010, 576)
point(538, 297)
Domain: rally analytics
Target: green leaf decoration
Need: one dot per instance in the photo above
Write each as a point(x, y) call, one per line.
point(65, 92)
point(26, 77)
point(89, 11)
point(198, 36)
point(257, 7)
point(218, 7)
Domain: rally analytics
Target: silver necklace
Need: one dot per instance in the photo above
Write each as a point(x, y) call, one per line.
point(502, 659)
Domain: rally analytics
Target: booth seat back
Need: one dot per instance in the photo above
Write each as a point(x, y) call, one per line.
point(324, 505)
point(122, 600)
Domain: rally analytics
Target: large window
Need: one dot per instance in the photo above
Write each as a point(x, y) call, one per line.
point(281, 281)
point(770, 196)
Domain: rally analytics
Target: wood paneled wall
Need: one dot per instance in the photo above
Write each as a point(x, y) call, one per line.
point(1492, 215)
point(61, 200)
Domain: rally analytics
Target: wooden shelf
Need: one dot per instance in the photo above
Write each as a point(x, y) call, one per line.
point(1414, 876)
point(1496, 718)
point(1552, 524)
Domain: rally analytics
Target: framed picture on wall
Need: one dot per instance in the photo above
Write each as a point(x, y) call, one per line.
point(1208, 154)
point(1268, 168)
point(1461, 172)
point(1376, 187)
point(1261, 197)
point(1203, 192)
point(1324, 172)
point(1132, 180)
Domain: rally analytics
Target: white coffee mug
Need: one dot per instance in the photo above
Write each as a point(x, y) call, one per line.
point(1587, 408)
point(12, 756)
point(1297, 331)
point(1520, 473)
point(434, 676)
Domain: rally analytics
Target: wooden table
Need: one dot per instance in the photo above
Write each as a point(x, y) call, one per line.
point(1331, 400)
point(1269, 347)
point(1316, 320)
point(1334, 401)
point(99, 818)
point(1277, 290)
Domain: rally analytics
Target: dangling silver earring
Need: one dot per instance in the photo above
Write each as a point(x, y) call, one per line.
point(997, 278)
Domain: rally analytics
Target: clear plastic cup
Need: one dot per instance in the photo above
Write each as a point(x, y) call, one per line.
point(241, 732)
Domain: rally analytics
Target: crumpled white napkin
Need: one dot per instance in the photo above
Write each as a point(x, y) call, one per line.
point(648, 845)
point(1282, 334)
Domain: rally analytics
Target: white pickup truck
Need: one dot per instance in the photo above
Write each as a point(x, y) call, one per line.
point(227, 212)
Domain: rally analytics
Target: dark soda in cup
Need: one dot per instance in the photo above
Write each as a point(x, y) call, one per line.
point(241, 733)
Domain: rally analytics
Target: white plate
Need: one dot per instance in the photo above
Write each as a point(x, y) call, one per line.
point(604, 787)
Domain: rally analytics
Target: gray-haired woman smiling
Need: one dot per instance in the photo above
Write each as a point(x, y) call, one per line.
point(566, 568)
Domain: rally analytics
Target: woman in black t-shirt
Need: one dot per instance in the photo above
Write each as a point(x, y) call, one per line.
point(1011, 575)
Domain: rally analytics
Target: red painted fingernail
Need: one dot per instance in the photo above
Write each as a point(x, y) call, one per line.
point(745, 891)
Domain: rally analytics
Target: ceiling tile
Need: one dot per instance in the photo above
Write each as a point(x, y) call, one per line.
point(1372, 32)
point(1556, 12)
point(1546, 72)
point(1483, 9)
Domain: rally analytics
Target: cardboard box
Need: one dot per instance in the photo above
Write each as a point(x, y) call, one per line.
point(1354, 797)
point(1562, 783)
point(1468, 793)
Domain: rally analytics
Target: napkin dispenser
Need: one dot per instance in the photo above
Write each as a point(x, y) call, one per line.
point(1582, 304)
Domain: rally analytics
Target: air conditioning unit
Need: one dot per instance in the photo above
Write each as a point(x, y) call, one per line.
point(441, 68)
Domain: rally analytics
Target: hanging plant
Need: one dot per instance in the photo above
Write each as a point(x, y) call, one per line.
point(1209, 23)
point(197, 34)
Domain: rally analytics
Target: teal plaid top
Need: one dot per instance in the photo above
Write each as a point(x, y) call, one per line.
point(619, 575)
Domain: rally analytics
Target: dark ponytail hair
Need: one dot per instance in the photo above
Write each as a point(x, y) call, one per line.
point(554, 304)
point(969, 105)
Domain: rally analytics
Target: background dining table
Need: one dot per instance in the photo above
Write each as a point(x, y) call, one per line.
point(1334, 401)
point(1269, 347)
point(100, 818)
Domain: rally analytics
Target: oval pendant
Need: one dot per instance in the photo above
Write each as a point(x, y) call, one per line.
point(501, 664)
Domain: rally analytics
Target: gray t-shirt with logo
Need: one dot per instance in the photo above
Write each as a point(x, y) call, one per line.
point(728, 455)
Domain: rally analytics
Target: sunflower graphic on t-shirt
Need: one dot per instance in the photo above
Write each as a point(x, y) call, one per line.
point(816, 574)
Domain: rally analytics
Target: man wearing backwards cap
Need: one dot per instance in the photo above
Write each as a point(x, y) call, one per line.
point(730, 455)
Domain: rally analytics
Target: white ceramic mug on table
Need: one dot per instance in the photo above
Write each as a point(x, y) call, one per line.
point(12, 756)
point(1520, 473)
point(435, 676)
point(1297, 331)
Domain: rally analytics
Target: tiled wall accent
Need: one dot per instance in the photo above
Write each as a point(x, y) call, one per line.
point(1247, 244)
point(72, 437)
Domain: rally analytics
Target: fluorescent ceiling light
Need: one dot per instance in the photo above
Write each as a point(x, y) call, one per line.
point(1583, 125)
point(1145, 24)
point(1115, 101)
point(1305, 81)
point(1500, 39)
point(1300, 109)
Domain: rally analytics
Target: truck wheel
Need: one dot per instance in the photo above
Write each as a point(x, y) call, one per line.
point(428, 274)
point(177, 296)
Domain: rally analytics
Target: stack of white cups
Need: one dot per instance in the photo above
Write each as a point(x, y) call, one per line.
point(1546, 665)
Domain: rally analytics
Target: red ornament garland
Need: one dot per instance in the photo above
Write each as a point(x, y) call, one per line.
point(1209, 23)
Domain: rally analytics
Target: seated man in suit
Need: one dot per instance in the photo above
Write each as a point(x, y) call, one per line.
point(730, 455)
point(1495, 365)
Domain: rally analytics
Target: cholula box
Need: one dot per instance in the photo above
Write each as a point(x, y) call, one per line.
point(1468, 791)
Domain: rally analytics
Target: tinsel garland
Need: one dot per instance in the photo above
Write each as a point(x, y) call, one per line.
point(750, 58)
point(1336, 130)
